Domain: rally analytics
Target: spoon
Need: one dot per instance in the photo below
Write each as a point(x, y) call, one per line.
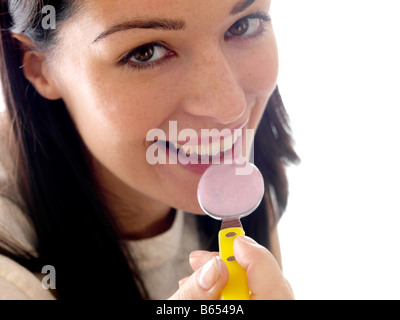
point(226, 195)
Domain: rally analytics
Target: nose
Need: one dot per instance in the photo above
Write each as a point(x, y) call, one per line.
point(212, 89)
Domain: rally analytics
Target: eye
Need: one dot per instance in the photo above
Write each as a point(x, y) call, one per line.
point(244, 27)
point(250, 26)
point(147, 56)
point(150, 52)
point(239, 28)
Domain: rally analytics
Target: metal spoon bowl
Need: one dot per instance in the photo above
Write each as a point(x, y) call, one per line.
point(222, 193)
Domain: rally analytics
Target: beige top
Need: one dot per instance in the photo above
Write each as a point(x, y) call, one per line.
point(162, 260)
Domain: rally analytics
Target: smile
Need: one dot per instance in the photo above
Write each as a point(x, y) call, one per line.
point(194, 152)
point(212, 147)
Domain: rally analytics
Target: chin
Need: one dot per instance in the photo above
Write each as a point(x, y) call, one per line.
point(191, 208)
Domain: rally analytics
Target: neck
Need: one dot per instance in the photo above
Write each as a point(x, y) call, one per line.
point(137, 216)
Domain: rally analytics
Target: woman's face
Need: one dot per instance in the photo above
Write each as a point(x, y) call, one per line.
point(126, 67)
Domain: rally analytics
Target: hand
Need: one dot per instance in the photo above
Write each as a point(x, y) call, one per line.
point(265, 279)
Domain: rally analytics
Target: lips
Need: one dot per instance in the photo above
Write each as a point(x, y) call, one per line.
point(211, 147)
point(211, 143)
point(193, 152)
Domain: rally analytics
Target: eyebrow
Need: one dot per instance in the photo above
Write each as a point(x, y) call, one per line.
point(241, 6)
point(163, 24)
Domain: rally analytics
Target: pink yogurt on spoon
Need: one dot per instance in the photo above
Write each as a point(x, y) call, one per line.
point(222, 193)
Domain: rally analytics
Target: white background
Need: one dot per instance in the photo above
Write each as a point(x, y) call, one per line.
point(340, 81)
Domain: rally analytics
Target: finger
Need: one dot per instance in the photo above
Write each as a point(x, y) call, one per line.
point(264, 276)
point(198, 258)
point(182, 281)
point(290, 288)
point(206, 283)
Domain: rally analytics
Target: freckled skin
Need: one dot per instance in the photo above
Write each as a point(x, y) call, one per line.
point(210, 82)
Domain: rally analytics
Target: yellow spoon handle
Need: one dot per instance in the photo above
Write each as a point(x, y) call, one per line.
point(237, 287)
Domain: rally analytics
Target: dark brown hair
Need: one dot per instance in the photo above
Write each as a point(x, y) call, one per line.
point(74, 228)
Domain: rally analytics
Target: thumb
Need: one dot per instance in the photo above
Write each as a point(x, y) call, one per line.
point(204, 284)
point(265, 279)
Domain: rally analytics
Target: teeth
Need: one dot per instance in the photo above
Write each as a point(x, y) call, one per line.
point(211, 149)
point(187, 149)
point(176, 145)
point(214, 149)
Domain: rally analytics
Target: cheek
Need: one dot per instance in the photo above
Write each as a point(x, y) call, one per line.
point(257, 72)
point(114, 109)
point(113, 119)
point(258, 69)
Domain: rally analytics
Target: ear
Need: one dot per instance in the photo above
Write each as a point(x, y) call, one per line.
point(35, 68)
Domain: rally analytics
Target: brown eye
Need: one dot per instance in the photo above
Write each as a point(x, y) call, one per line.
point(151, 52)
point(239, 28)
point(144, 53)
point(248, 27)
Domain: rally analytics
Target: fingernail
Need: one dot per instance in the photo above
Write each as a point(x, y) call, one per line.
point(197, 254)
point(210, 273)
point(246, 239)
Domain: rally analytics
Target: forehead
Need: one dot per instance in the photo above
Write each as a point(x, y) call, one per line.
point(97, 16)
point(106, 9)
